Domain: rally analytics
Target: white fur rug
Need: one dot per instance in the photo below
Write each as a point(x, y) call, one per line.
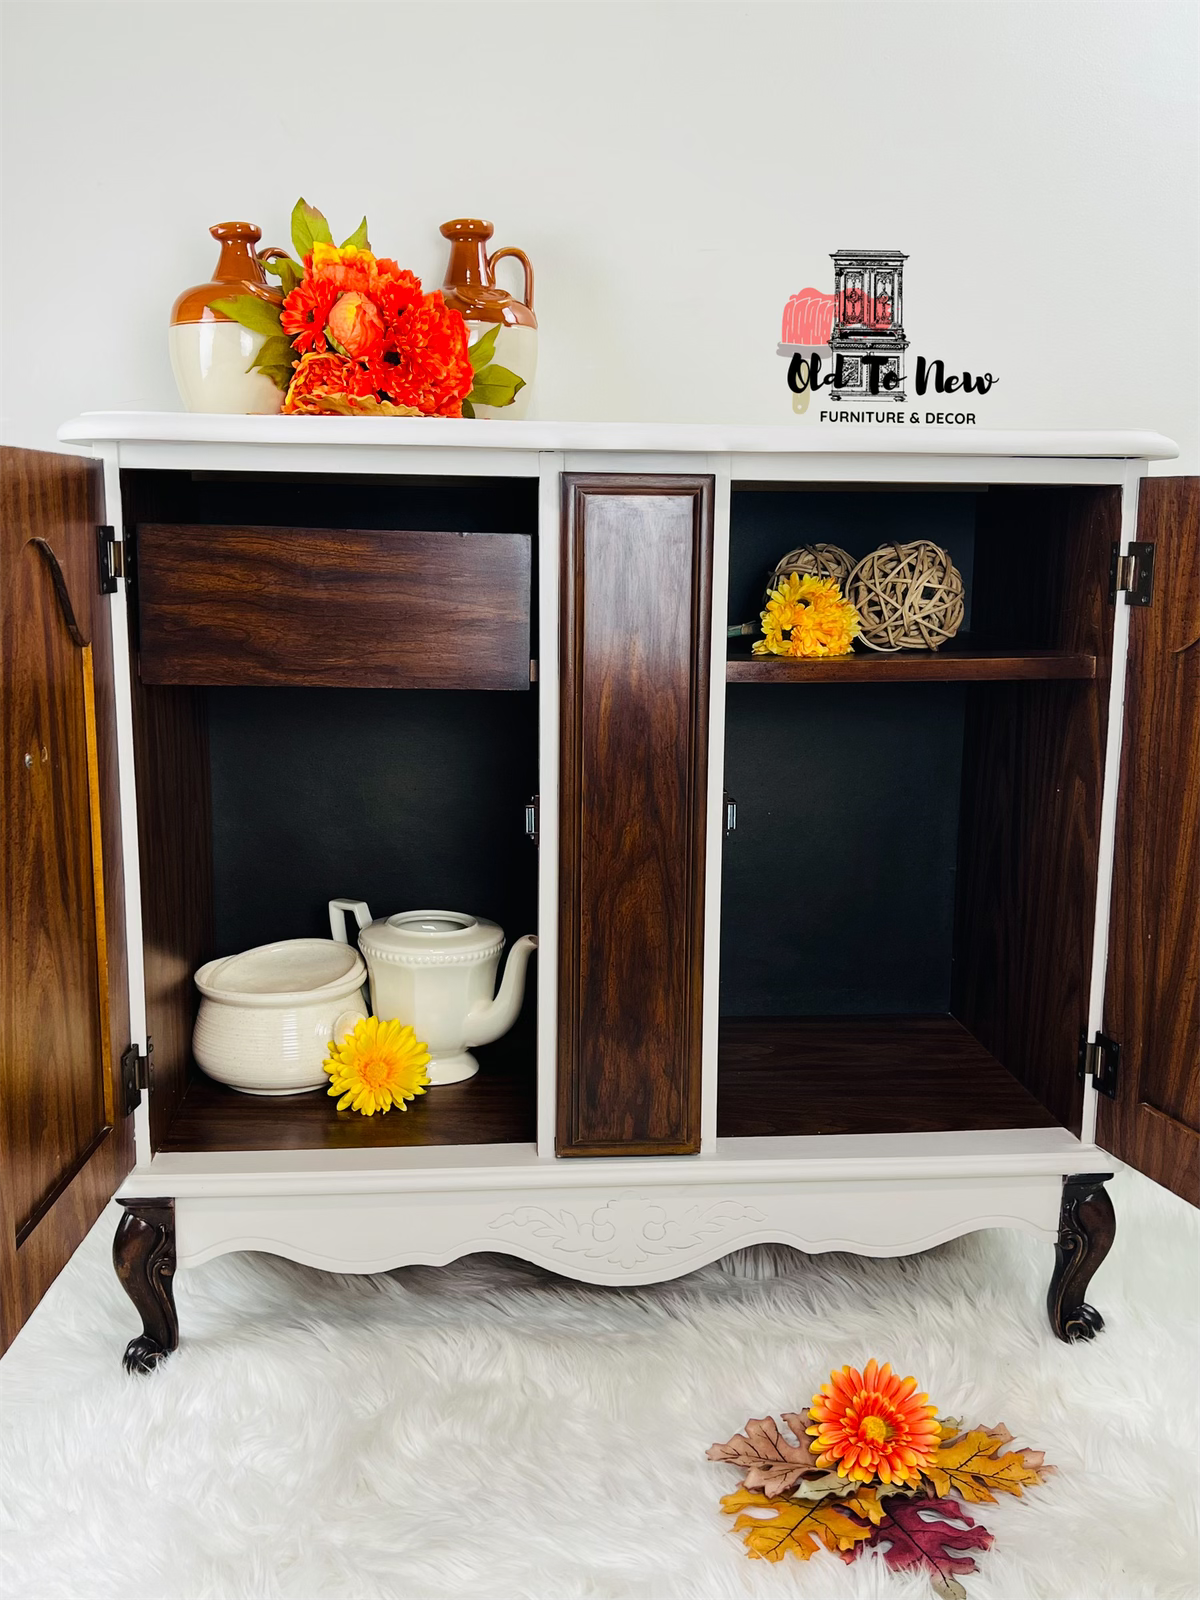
point(487, 1430)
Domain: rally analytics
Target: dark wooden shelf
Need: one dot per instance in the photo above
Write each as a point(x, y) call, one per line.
point(497, 1106)
point(810, 1075)
point(948, 665)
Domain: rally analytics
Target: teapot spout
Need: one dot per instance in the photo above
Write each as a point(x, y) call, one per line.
point(488, 1019)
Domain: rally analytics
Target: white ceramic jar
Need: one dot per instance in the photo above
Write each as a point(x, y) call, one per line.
point(436, 970)
point(267, 1015)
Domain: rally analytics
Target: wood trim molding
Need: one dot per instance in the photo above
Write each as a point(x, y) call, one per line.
point(635, 648)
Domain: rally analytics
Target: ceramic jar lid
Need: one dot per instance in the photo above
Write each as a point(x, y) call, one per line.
point(287, 973)
point(431, 936)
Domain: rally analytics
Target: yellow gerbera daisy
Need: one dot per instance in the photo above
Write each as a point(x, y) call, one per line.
point(378, 1066)
point(807, 616)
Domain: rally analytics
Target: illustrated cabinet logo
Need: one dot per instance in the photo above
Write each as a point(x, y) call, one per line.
point(852, 344)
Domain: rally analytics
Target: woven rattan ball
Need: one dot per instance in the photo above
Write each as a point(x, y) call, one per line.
point(821, 560)
point(908, 596)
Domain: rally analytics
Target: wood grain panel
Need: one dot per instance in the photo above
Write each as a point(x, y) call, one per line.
point(341, 607)
point(174, 792)
point(911, 1074)
point(1033, 761)
point(497, 1106)
point(947, 665)
point(63, 1003)
point(637, 579)
point(1152, 992)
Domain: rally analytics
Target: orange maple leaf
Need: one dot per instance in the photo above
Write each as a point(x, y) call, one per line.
point(969, 1467)
point(801, 1526)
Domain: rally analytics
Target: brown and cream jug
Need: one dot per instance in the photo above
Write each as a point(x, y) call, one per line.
point(470, 287)
point(210, 353)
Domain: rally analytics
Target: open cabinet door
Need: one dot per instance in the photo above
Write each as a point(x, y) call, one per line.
point(65, 1144)
point(1152, 995)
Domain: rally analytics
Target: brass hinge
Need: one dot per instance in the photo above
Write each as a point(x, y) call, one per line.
point(1100, 1060)
point(1132, 574)
point(533, 817)
point(108, 556)
point(135, 1075)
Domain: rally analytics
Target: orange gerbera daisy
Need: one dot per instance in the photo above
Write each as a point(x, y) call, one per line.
point(871, 1424)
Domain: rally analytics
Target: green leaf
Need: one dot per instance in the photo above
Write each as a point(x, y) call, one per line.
point(495, 386)
point(276, 352)
point(281, 377)
point(288, 272)
point(359, 237)
point(261, 316)
point(468, 409)
point(482, 351)
point(308, 226)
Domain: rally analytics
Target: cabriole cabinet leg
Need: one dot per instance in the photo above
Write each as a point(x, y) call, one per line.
point(1086, 1228)
point(144, 1256)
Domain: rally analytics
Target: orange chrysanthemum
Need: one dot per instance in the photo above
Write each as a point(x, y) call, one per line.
point(425, 362)
point(807, 616)
point(316, 376)
point(305, 313)
point(370, 341)
point(871, 1424)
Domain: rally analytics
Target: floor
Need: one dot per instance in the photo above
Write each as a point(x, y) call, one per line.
point(488, 1430)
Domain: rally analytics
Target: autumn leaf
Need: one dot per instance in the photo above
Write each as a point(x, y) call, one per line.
point(921, 1533)
point(801, 1526)
point(864, 1503)
point(772, 1462)
point(970, 1468)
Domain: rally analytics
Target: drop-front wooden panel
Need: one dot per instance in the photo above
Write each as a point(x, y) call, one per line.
point(337, 607)
point(635, 649)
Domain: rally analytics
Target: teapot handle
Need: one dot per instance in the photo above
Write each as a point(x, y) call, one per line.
point(525, 262)
point(337, 924)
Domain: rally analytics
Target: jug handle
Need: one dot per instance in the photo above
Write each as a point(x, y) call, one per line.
point(525, 262)
point(337, 923)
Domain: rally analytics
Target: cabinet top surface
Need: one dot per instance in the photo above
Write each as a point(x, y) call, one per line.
point(325, 434)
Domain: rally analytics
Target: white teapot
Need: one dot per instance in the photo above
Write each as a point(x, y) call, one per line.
point(437, 971)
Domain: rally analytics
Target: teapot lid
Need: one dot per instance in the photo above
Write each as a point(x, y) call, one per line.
point(433, 934)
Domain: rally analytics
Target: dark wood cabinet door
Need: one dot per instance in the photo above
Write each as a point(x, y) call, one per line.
point(64, 1145)
point(345, 607)
point(1152, 994)
point(637, 580)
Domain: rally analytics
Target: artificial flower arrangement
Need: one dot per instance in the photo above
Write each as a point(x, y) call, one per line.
point(807, 616)
point(357, 336)
point(378, 1066)
point(882, 1473)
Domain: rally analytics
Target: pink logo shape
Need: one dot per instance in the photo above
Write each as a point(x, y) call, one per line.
point(808, 318)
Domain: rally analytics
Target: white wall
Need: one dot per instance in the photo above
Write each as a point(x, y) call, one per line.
point(675, 171)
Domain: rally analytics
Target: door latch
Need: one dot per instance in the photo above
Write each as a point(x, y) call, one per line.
point(135, 1075)
point(1100, 1060)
